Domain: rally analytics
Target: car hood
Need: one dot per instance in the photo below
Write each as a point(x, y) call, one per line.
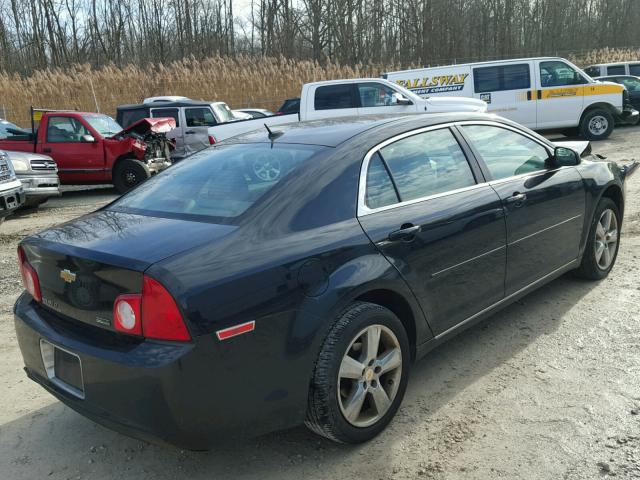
point(26, 156)
point(146, 125)
point(455, 104)
point(127, 240)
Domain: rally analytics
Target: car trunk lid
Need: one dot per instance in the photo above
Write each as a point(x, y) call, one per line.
point(84, 265)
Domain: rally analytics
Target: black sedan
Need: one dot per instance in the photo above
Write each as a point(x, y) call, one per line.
point(209, 302)
point(632, 86)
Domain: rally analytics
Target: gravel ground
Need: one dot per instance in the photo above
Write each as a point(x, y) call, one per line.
point(547, 389)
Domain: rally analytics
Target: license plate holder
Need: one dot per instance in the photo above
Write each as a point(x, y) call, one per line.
point(64, 368)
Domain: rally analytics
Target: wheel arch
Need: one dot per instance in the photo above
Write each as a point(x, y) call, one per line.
point(614, 192)
point(599, 105)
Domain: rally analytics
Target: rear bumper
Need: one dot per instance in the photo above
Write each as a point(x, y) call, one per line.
point(11, 199)
point(176, 393)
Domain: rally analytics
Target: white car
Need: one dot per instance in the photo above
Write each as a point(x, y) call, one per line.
point(11, 192)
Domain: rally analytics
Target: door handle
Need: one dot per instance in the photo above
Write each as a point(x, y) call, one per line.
point(189, 132)
point(517, 198)
point(407, 233)
point(46, 150)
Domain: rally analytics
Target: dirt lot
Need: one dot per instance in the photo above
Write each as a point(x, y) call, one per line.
point(547, 389)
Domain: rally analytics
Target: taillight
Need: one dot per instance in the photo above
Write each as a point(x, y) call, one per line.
point(212, 140)
point(29, 276)
point(152, 314)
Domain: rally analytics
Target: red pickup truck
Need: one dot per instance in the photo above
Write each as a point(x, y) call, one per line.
point(93, 148)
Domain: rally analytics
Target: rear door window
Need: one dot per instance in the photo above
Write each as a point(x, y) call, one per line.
point(616, 70)
point(199, 117)
point(427, 164)
point(380, 191)
point(500, 78)
point(129, 117)
point(166, 113)
point(334, 97)
point(505, 152)
point(634, 69)
point(592, 71)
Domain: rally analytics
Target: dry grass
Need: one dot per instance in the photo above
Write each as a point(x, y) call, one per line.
point(241, 82)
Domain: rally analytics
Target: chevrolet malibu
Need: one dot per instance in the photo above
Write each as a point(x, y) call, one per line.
point(294, 276)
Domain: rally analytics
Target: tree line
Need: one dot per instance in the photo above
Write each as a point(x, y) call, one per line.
point(41, 34)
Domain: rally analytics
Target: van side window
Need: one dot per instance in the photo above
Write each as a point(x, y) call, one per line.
point(592, 71)
point(559, 74)
point(499, 78)
point(505, 152)
point(634, 69)
point(333, 97)
point(616, 70)
point(166, 113)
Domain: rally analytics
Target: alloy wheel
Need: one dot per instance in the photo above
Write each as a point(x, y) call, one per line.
point(369, 376)
point(606, 240)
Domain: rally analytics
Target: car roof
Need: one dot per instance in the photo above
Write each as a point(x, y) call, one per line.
point(181, 103)
point(332, 132)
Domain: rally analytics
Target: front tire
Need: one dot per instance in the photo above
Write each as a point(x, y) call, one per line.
point(360, 376)
point(128, 173)
point(597, 124)
point(603, 243)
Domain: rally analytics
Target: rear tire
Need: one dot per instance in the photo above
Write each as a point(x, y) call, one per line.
point(597, 124)
point(603, 242)
point(360, 376)
point(129, 173)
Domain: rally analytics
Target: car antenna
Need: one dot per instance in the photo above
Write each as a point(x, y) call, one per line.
point(272, 135)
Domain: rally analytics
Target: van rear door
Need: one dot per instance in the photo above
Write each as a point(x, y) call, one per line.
point(508, 90)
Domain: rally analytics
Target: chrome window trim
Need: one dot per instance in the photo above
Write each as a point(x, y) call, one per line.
point(363, 209)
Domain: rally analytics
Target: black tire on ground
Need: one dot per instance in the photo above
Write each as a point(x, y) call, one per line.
point(324, 413)
point(128, 173)
point(589, 267)
point(597, 124)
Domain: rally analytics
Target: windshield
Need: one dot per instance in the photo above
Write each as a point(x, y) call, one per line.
point(223, 112)
point(103, 124)
point(408, 94)
point(4, 128)
point(218, 183)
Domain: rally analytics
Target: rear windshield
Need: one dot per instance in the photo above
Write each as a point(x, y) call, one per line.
point(217, 184)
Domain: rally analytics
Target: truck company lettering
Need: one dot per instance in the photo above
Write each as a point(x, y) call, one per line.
point(437, 84)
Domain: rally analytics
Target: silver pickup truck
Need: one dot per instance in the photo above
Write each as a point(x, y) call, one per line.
point(11, 192)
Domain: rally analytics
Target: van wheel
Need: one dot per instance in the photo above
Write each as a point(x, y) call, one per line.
point(360, 376)
point(597, 124)
point(128, 173)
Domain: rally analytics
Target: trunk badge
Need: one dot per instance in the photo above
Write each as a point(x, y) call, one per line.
point(68, 276)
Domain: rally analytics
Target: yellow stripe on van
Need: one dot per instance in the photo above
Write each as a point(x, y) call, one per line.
point(580, 91)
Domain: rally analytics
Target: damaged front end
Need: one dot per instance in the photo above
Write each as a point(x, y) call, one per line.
point(147, 141)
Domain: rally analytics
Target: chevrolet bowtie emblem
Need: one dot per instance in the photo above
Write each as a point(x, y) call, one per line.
point(68, 276)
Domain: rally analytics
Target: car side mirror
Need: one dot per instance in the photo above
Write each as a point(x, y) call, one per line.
point(399, 99)
point(565, 157)
point(88, 139)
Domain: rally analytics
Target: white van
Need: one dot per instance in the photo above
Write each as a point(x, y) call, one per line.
point(539, 93)
point(618, 68)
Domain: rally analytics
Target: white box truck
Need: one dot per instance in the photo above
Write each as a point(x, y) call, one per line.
point(540, 93)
